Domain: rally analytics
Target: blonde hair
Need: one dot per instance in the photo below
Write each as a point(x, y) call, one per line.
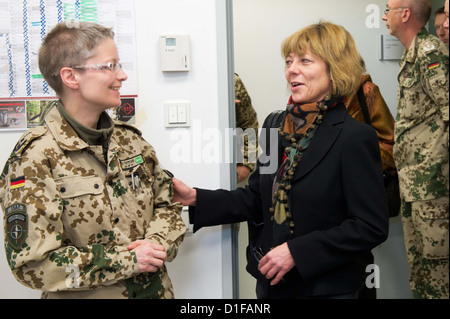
point(67, 45)
point(336, 47)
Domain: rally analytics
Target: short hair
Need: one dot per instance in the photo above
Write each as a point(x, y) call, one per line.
point(441, 10)
point(336, 47)
point(420, 9)
point(69, 44)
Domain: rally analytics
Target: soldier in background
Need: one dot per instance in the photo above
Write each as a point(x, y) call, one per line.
point(446, 23)
point(88, 210)
point(247, 121)
point(439, 21)
point(421, 149)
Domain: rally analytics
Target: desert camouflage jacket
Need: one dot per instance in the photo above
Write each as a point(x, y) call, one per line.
point(421, 149)
point(69, 216)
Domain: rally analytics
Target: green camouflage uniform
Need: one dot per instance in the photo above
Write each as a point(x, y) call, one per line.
point(246, 118)
point(69, 216)
point(421, 153)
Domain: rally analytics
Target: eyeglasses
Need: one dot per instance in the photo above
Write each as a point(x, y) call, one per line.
point(111, 66)
point(386, 12)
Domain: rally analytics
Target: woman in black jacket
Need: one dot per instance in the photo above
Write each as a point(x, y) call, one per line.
point(325, 205)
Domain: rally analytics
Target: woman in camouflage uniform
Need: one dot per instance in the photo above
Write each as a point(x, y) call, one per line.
point(88, 209)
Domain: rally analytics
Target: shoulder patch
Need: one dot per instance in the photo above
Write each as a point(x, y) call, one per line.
point(428, 46)
point(16, 225)
point(18, 182)
point(27, 138)
point(433, 65)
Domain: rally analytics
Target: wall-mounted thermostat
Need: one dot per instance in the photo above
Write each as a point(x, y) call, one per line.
point(175, 52)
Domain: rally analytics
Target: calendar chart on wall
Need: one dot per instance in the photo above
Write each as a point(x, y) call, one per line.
point(23, 26)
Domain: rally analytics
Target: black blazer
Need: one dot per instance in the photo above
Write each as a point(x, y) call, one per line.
point(338, 205)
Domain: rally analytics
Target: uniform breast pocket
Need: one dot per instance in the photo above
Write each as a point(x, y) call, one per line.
point(79, 186)
point(140, 182)
point(82, 198)
point(410, 105)
point(139, 199)
point(438, 81)
point(80, 193)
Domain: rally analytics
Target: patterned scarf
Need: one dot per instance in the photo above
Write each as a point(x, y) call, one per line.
point(299, 127)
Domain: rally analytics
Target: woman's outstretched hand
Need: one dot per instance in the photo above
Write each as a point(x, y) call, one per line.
point(183, 193)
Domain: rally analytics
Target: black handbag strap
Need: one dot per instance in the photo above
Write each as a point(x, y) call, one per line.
point(273, 120)
point(363, 104)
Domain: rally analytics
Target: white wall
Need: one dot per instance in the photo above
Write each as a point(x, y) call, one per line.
point(199, 268)
point(260, 26)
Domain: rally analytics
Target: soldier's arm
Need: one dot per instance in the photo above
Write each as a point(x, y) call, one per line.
point(436, 71)
point(246, 118)
point(166, 227)
point(37, 253)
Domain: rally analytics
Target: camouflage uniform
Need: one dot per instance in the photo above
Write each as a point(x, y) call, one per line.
point(246, 118)
point(69, 216)
point(421, 153)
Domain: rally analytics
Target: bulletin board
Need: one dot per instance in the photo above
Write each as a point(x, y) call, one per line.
point(24, 94)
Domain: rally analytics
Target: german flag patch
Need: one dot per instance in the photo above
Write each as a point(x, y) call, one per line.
point(17, 182)
point(433, 65)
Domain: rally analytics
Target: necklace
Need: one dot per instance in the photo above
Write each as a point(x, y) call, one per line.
point(297, 144)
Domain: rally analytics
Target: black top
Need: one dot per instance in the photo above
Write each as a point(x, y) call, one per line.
point(338, 205)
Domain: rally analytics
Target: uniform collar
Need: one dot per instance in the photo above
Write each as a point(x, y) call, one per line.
point(98, 136)
point(411, 54)
point(64, 134)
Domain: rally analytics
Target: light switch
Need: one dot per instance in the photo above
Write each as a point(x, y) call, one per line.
point(173, 114)
point(182, 115)
point(177, 114)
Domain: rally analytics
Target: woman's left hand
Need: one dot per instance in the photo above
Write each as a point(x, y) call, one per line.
point(183, 193)
point(276, 263)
